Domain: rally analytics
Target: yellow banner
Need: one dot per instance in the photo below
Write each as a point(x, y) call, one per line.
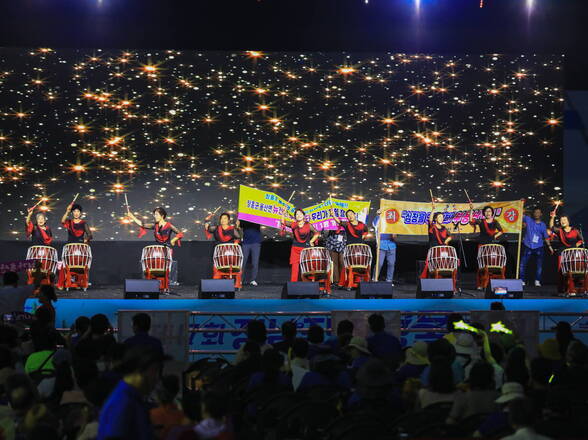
point(411, 218)
point(262, 207)
point(320, 216)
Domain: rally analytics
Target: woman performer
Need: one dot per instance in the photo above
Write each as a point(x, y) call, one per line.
point(303, 236)
point(78, 230)
point(39, 232)
point(490, 231)
point(224, 232)
point(565, 236)
point(163, 230)
point(355, 232)
point(439, 235)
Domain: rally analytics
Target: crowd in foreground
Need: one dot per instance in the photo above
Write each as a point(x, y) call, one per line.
point(470, 383)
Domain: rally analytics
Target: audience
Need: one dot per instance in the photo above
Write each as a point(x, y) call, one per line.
point(288, 337)
point(441, 386)
point(13, 297)
point(382, 344)
point(167, 414)
point(520, 415)
point(141, 327)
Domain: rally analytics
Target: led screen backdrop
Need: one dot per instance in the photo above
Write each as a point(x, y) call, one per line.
point(182, 130)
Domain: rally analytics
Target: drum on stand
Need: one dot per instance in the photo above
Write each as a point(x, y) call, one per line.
point(357, 262)
point(227, 262)
point(155, 263)
point(316, 265)
point(77, 260)
point(574, 267)
point(491, 264)
point(442, 259)
point(45, 258)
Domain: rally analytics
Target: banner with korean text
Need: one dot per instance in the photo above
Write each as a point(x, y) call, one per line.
point(411, 218)
point(262, 207)
point(319, 215)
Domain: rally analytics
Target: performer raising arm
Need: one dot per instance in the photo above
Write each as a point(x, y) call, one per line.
point(356, 231)
point(303, 235)
point(224, 232)
point(568, 236)
point(490, 229)
point(439, 235)
point(39, 232)
point(162, 229)
point(78, 230)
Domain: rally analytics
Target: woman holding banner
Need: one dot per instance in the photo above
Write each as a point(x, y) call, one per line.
point(355, 232)
point(303, 236)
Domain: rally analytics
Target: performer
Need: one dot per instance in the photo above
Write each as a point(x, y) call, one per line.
point(335, 244)
point(39, 232)
point(303, 236)
point(439, 235)
point(78, 230)
point(387, 251)
point(533, 243)
point(251, 247)
point(355, 231)
point(490, 231)
point(224, 232)
point(164, 232)
point(564, 237)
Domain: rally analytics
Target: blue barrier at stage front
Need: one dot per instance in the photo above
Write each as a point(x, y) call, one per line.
point(219, 317)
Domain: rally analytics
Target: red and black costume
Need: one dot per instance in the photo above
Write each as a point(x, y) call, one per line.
point(77, 232)
point(438, 236)
point(220, 235)
point(40, 236)
point(562, 240)
point(355, 233)
point(488, 230)
point(163, 234)
point(301, 236)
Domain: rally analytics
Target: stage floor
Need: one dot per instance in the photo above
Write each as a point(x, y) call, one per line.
point(273, 291)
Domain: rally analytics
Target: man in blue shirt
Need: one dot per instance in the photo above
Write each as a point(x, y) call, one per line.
point(387, 251)
point(535, 236)
point(382, 344)
point(251, 247)
point(141, 327)
point(125, 414)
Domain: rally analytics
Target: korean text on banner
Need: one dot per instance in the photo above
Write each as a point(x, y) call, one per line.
point(320, 217)
point(411, 218)
point(262, 207)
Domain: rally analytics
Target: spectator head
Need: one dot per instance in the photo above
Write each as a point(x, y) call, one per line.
point(271, 363)
point(256, 331)
point(417, 354)
point(509, 392)
point(85, 372)
point(43, 317)
point(251, 351)
point(191, 404)
point(289, 330)
point(497, 352)
point(99, 324)
point(549, 350)
point(376, 323)
point(577, 354)
point(345, 327)
point(358, 347)
point(316, 334)
point(81, 325)
point(44, 340)
point(374, 379)
point(441, 348)
point(441, 376)
point(497, 305)
point(169, 387)
point(47, 293)
point(300, 348)
point(520, 413)
point(563, 331)
point(21, 393)
point(141, 323)
point(451, 318)
point(516, 369)
point(541, 371)
point(141, 368)
point(10, 279)
point(481, 376)
point(214, 406)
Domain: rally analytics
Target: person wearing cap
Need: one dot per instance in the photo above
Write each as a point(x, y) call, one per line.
point(497, 422)
point(358, 350)
point(326, 370)
point(125, 414)
point(467, 351)
point(415, 362)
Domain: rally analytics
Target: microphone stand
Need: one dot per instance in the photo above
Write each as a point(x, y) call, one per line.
point(460, 292)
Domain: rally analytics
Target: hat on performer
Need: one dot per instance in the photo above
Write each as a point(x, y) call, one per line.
point(417, 354)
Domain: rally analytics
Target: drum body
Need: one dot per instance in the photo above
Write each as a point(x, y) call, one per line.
point(46, 255)
point(574, 261)
point(156, 259)
point(442, 259)
point(77, 255)
point(491, 256)
point(228, 256)
point(315, 260)
point(357, 256)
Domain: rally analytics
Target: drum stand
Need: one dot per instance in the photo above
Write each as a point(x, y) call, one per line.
point(460, 292)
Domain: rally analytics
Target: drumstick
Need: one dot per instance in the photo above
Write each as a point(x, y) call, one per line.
point(466, 193)
point(432, 198)
point(126, 201)
point(291, 195)
point(75, 198)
